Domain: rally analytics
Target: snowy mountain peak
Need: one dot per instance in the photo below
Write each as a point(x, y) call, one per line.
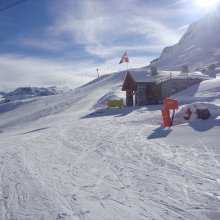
point(198, 47)
point(29, 92)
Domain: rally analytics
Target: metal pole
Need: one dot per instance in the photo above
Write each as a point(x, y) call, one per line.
point(97, 72)
point(172, 117)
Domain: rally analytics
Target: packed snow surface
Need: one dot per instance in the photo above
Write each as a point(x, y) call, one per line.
point(67, 157)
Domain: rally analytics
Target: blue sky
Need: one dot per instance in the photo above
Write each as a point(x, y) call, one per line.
point(63, 42)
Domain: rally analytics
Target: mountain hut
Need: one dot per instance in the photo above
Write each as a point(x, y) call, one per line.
point(147, 88)
point(141, 88)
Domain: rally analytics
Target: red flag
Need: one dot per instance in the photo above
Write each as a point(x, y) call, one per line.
point(124, 58)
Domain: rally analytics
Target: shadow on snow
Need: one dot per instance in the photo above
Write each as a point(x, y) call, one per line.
point(159, 133)
point(119, 112)
point(9, 106)
point(204, 125)
point(35, 130)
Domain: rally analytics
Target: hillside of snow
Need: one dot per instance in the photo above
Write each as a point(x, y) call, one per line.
point(198, 48)
point(68, 157)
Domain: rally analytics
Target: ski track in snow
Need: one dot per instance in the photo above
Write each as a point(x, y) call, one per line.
point(101, 168)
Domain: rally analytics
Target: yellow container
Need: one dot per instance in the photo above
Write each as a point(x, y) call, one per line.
point(115, 103)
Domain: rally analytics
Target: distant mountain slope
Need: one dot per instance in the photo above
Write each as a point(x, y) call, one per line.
point(198, 48)
point(83, 99)
point(29, 92)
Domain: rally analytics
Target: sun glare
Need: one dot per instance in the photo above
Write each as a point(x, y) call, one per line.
point(207, 3)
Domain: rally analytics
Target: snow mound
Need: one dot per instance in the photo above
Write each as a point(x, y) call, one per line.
point(114, 94)
point(206, 91)
point(189, 112)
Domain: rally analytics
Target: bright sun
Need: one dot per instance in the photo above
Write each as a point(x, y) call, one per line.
point(207, 3)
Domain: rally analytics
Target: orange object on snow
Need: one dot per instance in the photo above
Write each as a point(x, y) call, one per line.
point(166, 118)
point(170, 103)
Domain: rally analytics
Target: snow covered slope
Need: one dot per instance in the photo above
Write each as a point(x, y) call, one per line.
point(64, 157)
point(93, 95)
point(198, 48)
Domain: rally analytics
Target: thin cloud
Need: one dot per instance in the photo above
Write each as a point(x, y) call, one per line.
point(112, 51)
point(183, 28)
point(98, 25)
point(29, 71)
point(179, 2)
point(45, 43)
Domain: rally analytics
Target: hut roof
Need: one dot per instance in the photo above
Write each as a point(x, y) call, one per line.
point(136, 76)
point(142, 76)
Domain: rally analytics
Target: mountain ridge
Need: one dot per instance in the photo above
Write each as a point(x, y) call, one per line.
point(198, 48)
point(30, 92)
